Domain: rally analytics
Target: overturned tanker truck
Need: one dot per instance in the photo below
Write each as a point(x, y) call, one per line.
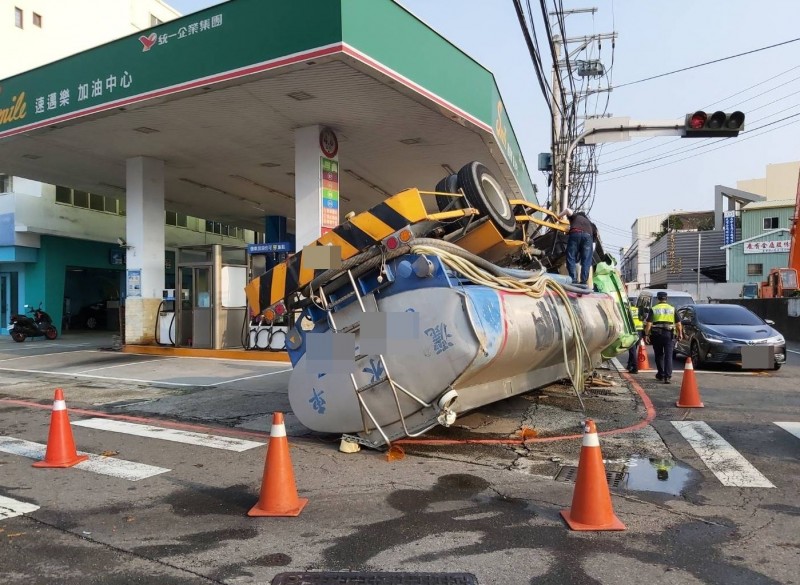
point(434, 304)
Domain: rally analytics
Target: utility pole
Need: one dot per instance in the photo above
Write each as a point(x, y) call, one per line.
point(563, 106)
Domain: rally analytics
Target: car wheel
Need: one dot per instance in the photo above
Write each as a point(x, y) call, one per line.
point(695, 351)
point(91, 323)
point(484, 193)
point(51, 333)
point(777, 367)
point(18, 336)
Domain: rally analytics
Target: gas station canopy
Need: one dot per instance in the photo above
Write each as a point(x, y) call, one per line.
point(218, 94)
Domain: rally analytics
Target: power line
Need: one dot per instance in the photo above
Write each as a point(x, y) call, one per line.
point(717, 148)
point(681, 149)
point(708, 63)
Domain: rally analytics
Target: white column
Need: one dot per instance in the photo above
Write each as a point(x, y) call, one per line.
point(144, 233)
point(316, 197)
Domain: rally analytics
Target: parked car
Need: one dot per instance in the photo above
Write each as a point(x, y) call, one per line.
point(716, 333)
point(94, 316)
point(676, 298)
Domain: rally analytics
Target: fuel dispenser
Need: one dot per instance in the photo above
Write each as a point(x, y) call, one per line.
point(166, 318)
point(263, 335)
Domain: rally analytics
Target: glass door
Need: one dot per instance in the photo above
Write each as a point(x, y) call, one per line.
point(201, 309)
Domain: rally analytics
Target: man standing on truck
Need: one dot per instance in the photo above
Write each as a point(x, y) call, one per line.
point(582, 234)
point(661, 325)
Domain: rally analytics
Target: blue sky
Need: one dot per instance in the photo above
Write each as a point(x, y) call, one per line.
point(654, 37)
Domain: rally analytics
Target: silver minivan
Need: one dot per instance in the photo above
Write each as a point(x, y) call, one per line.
point(676, 298)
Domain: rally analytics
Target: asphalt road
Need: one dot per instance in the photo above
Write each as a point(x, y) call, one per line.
point(179, 514)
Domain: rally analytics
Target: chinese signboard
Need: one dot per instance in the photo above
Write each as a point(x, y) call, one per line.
point(329, 184)
point(275, 247)
point(729, 227)
point(766, 247)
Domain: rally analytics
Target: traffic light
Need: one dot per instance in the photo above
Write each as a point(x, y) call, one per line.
point(720, 124)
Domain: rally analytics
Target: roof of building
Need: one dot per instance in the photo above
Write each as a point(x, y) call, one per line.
point(768, 204)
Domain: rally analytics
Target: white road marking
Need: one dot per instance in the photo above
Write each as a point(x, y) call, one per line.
point(791, 427)
point(127, 364)
point(22, 357)
point(251, 377)
point(141, 381)
point(10, 508)
point(794, 351)
point(730, 467)
point(119, 468)
point(175, 435)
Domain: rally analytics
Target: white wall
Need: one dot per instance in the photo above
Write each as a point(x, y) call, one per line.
point(69, 27)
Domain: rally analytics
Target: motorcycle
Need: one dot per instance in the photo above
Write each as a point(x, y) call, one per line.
point(40, 325)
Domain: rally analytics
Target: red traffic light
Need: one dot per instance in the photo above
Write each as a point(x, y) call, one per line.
point(698, 120)
point(716, 125)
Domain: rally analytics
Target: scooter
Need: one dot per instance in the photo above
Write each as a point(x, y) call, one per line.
point(41, 325)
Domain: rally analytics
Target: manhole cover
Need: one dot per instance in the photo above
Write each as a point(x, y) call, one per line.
point(351, 578)
point(570, 473)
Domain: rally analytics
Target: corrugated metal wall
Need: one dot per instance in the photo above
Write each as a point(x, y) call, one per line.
point(675, 255)
point(753, 221)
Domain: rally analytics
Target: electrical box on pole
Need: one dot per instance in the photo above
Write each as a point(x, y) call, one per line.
point(719, 124)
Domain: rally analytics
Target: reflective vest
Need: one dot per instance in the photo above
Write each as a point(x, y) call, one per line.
point(663, 313)
point(637, 322)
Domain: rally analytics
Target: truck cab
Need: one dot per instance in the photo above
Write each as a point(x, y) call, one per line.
point(781, 282)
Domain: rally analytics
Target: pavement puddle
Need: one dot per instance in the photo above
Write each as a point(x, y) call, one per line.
point(657, 475)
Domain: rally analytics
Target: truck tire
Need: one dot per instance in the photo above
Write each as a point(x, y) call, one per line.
point(484, 193)
point(448, 185)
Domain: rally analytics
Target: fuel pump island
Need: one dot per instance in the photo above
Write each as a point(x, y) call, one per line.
point(433, 304)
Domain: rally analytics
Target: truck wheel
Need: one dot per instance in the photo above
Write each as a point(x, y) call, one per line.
point(484, 193)
point(18, 336)
point(51, 333)
point(448, 185)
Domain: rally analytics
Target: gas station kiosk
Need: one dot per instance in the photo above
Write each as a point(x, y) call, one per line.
point(207, 309)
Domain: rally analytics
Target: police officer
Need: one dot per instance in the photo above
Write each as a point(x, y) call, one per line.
point(661, 325)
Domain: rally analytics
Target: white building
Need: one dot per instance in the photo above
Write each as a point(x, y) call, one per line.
point(635, 262)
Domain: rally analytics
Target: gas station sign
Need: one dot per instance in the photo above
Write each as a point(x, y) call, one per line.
point(329, 184)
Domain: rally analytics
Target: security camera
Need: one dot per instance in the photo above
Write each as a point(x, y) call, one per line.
point(122, 242)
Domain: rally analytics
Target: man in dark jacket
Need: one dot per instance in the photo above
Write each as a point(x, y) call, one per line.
point(582, 234)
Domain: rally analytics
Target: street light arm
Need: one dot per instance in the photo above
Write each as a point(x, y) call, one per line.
point(654, 128)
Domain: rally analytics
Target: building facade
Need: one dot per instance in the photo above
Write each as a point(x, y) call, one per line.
point(635, 262)
point(61, 247)
point(764, 244)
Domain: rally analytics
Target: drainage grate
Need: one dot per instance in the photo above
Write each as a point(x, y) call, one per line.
point(355, 578)
point(570, 473)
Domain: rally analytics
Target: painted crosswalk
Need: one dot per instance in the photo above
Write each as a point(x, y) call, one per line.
point(119, 468)
point(721, 458)
point(165, 434)
point(9, 508)
point(791, 427)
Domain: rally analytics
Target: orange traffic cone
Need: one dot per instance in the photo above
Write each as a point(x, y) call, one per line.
point(642, 362)
point(591, 501)
point(278, 492)
point(61, 450)
point(690, 395)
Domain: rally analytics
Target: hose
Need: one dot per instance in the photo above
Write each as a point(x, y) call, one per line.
point(534, 286)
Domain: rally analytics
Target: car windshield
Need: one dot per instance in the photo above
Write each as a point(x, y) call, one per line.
point(726, 315)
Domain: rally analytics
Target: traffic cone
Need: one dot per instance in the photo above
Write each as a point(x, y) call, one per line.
point(591, 501)
point(61, 450)
point(642, 361)
point(690, 395)
point(278, 492)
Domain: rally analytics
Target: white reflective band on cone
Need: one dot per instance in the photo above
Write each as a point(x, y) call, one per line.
point(59, 405)
point(278, 430)
point(688, 366)
point(591, 440)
